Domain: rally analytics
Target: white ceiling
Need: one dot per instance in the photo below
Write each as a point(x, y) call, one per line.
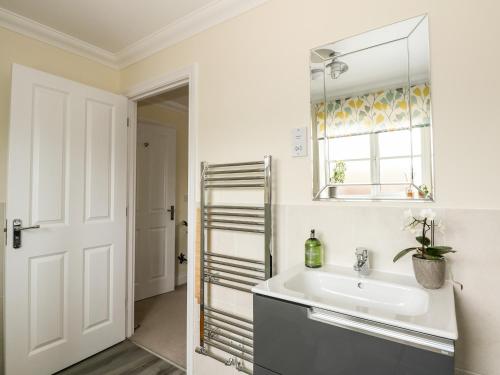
point(117, 32)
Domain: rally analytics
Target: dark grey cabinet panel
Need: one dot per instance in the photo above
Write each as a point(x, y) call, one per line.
point(287, 342)
point(257, 370)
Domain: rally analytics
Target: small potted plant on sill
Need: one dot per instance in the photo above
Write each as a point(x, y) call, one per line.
point(337, 178)
point(423, 191)
point(429, 263)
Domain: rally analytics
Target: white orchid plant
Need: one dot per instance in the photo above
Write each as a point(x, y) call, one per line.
point(425, 250)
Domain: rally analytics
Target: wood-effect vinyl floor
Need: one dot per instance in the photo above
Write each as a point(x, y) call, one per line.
point(125, 358)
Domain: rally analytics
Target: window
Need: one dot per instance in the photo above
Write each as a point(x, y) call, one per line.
point(378, 164)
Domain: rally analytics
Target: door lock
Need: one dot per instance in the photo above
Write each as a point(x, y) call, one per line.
point(17, 228)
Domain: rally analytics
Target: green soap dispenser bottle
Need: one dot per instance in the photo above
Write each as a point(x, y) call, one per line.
point(314, 251)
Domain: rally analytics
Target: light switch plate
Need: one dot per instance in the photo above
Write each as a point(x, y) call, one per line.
point(299, 142)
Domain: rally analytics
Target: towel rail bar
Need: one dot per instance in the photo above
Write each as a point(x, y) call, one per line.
point(234, 229)
point(225, 186)
point(240, 222)
point(218, 311)
point(229, 278)
point(239, 178)
point(230, 286)
point(217, 325)
point(229, 344)
point(235, 214)
point(230, 337)
point(230, 351)
point(243, 267)
point(223, 320)
point(211, 254)
point(236, 273)
point(231, 171)
point(231, 207)
point(245, 163)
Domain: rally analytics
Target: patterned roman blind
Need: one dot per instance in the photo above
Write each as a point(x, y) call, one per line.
point(374, 112)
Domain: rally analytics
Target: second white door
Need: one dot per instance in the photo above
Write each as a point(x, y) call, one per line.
point(155, 211)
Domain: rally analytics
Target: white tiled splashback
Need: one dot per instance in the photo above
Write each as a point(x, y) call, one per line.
point(473, 233)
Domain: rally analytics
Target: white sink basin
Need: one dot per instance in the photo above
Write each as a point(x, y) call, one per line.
point(386, 298)
point(338, 289)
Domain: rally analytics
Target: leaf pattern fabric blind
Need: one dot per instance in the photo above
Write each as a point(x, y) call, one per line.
point(380, 111)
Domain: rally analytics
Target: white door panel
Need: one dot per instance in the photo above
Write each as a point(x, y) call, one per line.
point(155, 230)
point(99, 139)
point(48, 308)
point(49, 156)
point(65, 286)
point(97, 287)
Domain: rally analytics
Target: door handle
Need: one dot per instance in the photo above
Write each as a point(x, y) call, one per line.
point(172, 212)
point(17, 228)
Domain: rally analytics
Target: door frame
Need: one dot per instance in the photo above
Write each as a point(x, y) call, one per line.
point(186, 75)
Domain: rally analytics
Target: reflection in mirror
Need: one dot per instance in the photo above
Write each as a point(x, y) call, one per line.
point(371, 115)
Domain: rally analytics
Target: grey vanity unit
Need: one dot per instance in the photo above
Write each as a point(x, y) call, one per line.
point(293, 339)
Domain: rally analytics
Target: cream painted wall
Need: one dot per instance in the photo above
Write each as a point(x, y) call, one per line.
point(179, 121)
point(254, 88)
point(15, 48)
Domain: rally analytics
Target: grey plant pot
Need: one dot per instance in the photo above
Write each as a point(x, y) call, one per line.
point(429, 273)
point(332, 191)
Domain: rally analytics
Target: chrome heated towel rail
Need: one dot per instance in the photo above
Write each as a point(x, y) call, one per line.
point(220, 329)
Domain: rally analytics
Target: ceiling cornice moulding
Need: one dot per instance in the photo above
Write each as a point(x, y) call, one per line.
point(201, 19)
point(195, 22)
point(28, 27)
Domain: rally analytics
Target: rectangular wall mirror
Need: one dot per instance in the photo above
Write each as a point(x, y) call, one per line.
point(371, 115)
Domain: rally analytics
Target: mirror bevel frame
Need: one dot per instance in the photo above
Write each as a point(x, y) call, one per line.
point(317, 190)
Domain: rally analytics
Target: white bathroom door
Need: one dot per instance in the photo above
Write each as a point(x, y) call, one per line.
point(155, 211)
point(65, 281)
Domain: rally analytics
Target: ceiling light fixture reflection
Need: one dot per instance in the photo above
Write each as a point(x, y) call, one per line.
point(336, 67)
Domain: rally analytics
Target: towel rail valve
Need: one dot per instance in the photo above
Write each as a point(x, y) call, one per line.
point(210, 278)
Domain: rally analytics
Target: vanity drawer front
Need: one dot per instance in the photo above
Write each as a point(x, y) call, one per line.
point(289, 343)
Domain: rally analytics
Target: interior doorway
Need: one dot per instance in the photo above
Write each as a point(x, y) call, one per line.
point(161, 224)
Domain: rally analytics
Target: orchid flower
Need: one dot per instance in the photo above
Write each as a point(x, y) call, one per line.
point(425, 249)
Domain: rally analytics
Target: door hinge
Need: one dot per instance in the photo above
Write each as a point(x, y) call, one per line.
point(126, 211)
point(5, 232)
point(128, 122)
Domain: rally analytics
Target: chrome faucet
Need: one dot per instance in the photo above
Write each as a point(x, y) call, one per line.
point(362, 265)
